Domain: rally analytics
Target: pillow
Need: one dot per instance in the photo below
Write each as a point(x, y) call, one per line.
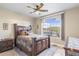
point(26, 33)
point(23, 33)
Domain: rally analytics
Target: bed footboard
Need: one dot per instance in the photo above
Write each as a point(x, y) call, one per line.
point(37, 46)
point(40, 45)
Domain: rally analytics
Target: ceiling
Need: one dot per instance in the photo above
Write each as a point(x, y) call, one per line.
point(51, 7)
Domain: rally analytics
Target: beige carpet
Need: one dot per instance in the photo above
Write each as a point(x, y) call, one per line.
point(9, 53)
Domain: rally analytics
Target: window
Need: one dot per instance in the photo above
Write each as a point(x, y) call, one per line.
point(52, 26)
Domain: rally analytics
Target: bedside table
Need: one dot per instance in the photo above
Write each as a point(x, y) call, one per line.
point(6, 44)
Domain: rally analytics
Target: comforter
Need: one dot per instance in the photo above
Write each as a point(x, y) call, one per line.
point(26, 41)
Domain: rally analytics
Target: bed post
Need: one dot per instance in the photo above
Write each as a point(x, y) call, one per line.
point(33, 46)
point(48, 41)
point(15, 33)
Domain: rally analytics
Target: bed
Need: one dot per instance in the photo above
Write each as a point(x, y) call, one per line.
point(29, 43)
point(72, 46)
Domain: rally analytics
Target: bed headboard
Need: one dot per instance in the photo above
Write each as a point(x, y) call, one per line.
point(18, 28)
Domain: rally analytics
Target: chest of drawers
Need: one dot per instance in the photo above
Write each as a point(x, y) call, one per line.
point(6, 45)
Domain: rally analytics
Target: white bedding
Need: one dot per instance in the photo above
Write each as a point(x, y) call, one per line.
point(73, 42)
point(33, 36)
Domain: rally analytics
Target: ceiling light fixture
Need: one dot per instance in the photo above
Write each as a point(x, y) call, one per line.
point(37, 12)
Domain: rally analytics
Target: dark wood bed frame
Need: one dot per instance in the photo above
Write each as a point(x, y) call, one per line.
point(34, 45)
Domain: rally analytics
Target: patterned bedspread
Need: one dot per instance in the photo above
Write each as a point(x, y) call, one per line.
point(26, 41)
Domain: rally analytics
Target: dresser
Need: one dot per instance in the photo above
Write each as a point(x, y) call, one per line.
point(6, 44)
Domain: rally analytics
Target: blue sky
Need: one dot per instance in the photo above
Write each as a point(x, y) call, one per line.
point(53, 21)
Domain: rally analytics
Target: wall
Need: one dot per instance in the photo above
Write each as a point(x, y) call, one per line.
point(37, 26)
point(10, 17)
point(72, 22)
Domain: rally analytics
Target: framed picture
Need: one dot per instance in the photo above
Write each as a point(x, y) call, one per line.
point(5, 26)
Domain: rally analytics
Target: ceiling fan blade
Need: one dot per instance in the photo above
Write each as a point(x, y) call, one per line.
point(30, 7)
point(43, 10)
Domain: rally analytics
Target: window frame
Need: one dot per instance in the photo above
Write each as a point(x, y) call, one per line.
point(62, 26)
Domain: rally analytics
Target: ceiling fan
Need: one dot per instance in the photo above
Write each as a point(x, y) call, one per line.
point(38, 8)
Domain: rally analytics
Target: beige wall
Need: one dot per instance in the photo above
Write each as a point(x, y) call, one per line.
point(10, 17)
point(72, 22)
point(37, 26)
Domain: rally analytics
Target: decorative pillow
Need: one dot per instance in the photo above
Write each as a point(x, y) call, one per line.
point(23, 33)
point(26, 33)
